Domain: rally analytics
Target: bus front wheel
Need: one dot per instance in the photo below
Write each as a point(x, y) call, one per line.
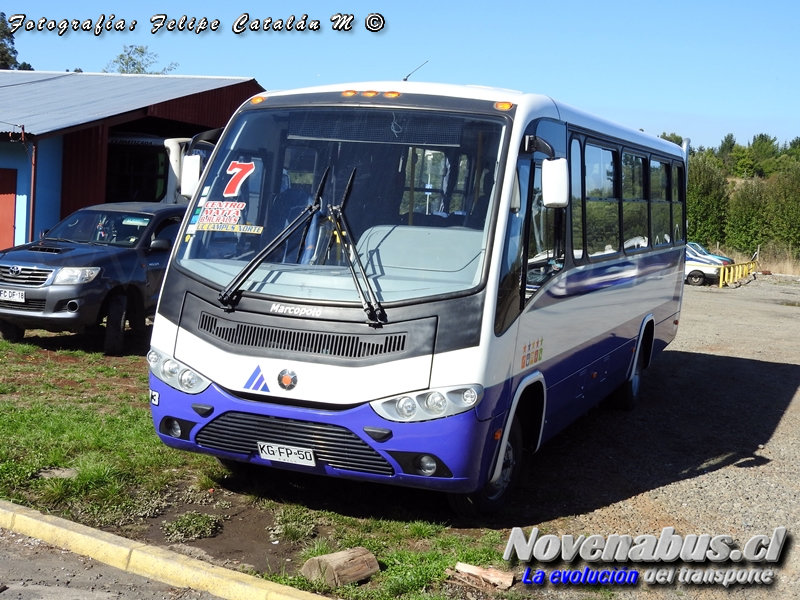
point(626, 396)
point(493, 496)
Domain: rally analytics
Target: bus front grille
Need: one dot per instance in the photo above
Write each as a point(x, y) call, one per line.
point(340, 345)
point(335, 446)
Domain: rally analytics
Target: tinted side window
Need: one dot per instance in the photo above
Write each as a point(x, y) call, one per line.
point(602, 204)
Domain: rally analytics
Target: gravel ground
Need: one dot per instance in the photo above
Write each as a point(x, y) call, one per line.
point(713, 447)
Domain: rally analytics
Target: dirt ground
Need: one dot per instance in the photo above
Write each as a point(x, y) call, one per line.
point(713, 448)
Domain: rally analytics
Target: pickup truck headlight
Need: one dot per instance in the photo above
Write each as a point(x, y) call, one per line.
point(73, 275)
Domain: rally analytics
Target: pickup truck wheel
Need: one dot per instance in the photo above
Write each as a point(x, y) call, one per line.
point(696, 278)
point(11, 332)
point(115, 325)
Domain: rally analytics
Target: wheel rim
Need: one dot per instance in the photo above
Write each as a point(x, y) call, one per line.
point(498, 488)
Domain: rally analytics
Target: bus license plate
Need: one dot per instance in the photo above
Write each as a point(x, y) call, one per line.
point(287, 454)
point(12, 295)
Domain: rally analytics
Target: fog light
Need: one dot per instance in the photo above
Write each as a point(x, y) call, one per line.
point(406, 407)
point(469, 396)
point(436, 403)
point(173, 428)
point(427, 465)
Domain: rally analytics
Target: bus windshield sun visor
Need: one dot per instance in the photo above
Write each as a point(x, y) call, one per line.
point(376, 316)
point(230, 295)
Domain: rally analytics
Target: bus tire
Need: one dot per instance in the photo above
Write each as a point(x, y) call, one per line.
point(493, 496)
point(115, 325)
point(11, 332)
point(696, 278)
point(626, 396)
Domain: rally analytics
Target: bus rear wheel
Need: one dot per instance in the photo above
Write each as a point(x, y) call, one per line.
point(493, 496)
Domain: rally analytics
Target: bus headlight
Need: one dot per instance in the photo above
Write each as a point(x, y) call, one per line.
point(174, 373)
point(429, 404)
point(469, 396)
point(436, 403)
point(406, 407)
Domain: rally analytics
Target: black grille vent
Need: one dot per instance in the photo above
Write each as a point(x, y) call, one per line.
point(335, 446)
point(339, 345)
point(28, 305)
point(25, 276)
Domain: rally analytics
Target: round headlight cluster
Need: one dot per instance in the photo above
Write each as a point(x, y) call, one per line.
point(429, 404)
point(175, 374)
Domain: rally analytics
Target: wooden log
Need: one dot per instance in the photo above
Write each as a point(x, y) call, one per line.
point(341, 568)
point(503, 580)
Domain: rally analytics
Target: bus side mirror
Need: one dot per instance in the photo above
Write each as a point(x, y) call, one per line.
point(190, 174)
point(555, 183)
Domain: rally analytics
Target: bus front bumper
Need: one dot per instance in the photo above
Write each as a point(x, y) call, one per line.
point(451, 454)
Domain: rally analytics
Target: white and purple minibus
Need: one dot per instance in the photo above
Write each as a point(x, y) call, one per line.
point(415, 283)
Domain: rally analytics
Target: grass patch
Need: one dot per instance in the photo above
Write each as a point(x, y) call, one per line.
point(192, 526)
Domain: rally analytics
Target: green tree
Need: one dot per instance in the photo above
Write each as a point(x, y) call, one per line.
point(742, 162)
point(672, 137)
point(745, 226)
point(706, 199)
point(763, 148)
point(137, 60)
point(783, 208)
point(8, 54)
point(725, 150)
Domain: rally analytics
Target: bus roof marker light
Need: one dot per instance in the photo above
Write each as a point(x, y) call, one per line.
point(369, 93)
point(504, 105)
point(257, 100)
point(391, 94)
point(349, 93)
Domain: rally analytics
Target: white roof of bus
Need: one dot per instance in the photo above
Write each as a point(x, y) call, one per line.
point(527, 103)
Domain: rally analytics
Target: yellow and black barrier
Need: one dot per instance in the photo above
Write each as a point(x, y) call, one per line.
point(730, 274)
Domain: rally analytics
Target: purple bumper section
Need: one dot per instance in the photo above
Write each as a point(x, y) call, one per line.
point(464, 444)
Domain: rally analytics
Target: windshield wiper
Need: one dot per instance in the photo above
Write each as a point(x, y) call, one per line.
point(228, 296)
point(376, 316)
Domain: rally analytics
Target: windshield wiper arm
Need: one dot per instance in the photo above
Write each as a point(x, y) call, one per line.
point(376, 316)
point(227, 295)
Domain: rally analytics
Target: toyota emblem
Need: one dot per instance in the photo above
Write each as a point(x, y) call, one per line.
point(15, 271)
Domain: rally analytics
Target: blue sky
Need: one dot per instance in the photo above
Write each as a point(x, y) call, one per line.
point(699, 69)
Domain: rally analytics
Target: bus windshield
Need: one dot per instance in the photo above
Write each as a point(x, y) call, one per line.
point(416, 209)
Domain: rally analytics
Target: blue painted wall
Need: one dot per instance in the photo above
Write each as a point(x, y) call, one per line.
point(48, 184)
